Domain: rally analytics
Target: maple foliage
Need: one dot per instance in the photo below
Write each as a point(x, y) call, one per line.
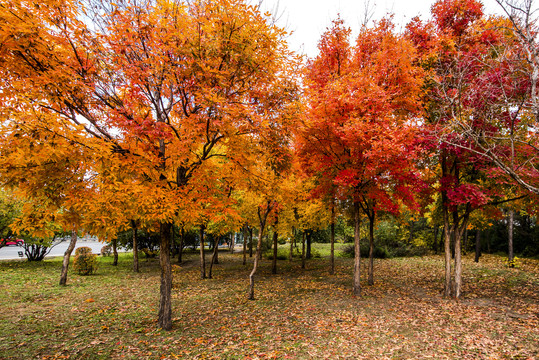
point(358, 134)
point(158, 90)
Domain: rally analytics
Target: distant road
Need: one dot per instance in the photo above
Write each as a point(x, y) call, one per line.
point(12, 252)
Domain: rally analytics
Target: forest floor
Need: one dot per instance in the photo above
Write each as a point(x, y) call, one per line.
point(297, 314)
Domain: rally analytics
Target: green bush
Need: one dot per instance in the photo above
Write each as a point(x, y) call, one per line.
point(85, 262)
point(384, 252)
point(282, 254)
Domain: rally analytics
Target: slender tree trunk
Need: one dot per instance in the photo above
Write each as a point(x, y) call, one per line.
point(309, 241)
point(202, 255)
point(477, 245)
point(275, 247)
point(135, 246)
point(357, 253)
point(291, 254)
point(436, 230)
point(115, 252)
point(447, 231)
point(411, 235)
point(332, 240)
point(510, 227)
point(214, 257)
point(303, 250)
point(67, 256)
point(371, 248)
point(245, 245)
point(232, 243)
point(165, 300)
point(216, 244)
point(250, 241)
point(180, 250)
point(262, 217)
point(458, 264)
point(465, 244)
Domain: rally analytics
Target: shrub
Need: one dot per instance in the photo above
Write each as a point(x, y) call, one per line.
point(282, 254)
point(106, 250)
point(85, 262)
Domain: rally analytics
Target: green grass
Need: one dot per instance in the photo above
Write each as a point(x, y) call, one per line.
point(297, 314)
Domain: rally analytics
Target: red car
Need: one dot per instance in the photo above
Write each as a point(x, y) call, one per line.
point(8, 242)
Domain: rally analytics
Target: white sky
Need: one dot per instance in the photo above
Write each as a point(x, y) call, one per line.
point(308, 19)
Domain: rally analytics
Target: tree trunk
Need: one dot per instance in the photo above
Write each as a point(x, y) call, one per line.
point(165, 299)
point(67, 255)
point(447, 232)
point(371, 248)
point(245, 245)
point(262, 217)
point(458, 263)
point(291, 252)
point(303, 249)
point(216, 245)
point(436, 230)
point(135, 247)
point(202, 256)
point(332, 240)
point(275, 247)
point(115, 252)
point(465, 244)
point(477, 245)
point(357, 254)
point(214, 257)
point(232, 242)
point(510, 227)
point(180, 250)
point(411, 235)
point(309, 241)
point(250, 241)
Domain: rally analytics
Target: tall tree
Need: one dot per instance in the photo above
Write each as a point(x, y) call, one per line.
point(157, 88)
point(358, 134)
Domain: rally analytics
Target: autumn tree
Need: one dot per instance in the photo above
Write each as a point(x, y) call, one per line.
point(358, 134)
point(157, 88)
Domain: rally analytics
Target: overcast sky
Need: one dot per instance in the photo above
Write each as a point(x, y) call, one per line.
point(308, 19)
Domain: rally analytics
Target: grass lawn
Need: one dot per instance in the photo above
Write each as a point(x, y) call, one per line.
point(298, 314)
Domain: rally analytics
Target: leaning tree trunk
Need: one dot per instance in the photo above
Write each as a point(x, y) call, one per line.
point(202, 256)
point(510, 227)
point(67, 255)
point(115, 252)
point(371, 248)
point(262, 218)
point(214, 256)
point(165, 299)
point(135, 246)
point(357, 254)
point(216, 245)
point(275, 245)
point(477, 245)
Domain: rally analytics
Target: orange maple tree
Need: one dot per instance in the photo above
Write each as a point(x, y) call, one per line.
point(157, 89)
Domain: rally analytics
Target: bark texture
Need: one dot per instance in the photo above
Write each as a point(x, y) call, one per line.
point(165, 298)
point(67, 256)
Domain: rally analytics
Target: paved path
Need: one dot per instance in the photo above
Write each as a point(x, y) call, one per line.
point(12, 252)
